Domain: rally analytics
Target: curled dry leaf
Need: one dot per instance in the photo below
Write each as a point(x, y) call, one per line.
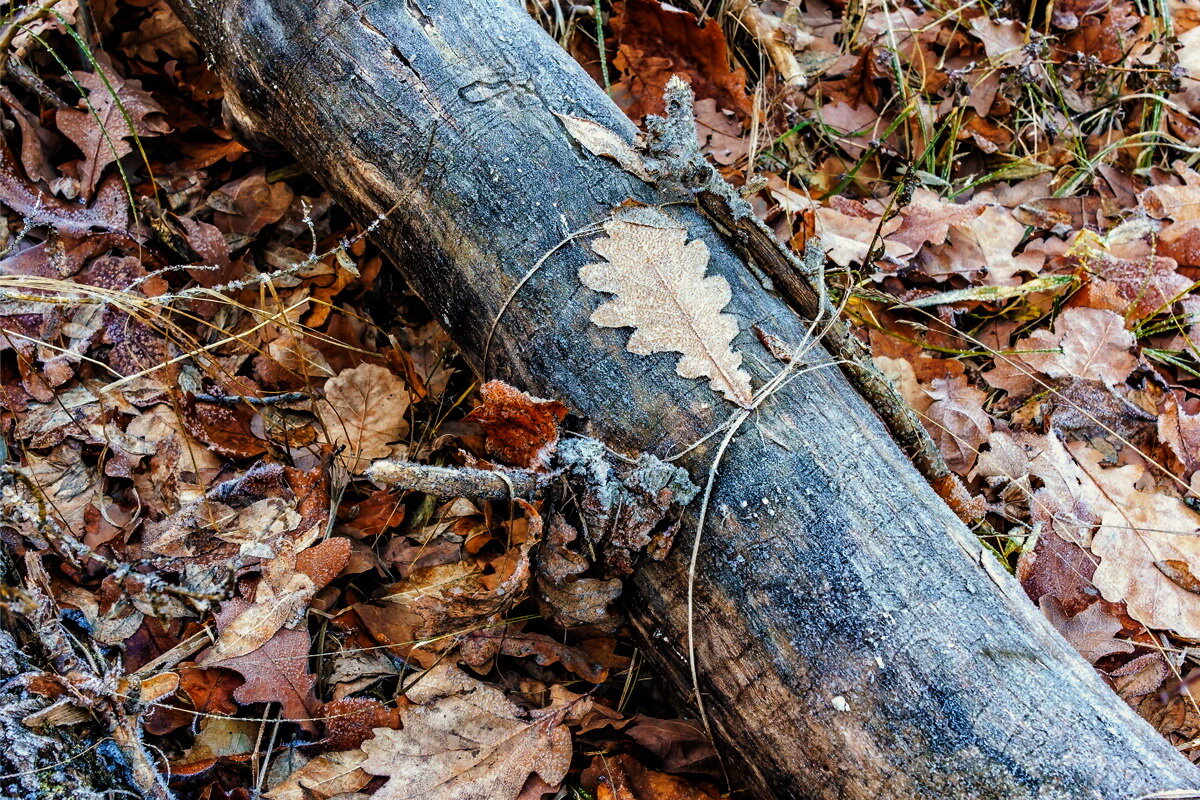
point(662, 292)
point(480, 647)
point(323, 777)
point(518, 428)
point(364, 411)
point(418, 612)
point(563, 596)
point(600, 141)
point(464, 740)
point(626, 509)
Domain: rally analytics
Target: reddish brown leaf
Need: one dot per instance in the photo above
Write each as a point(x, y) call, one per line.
point(117, 110)
point(278, 672)
point(623, 778)
point(350, 722)
point(519, 429)
point(225, 429)
point(656, 41)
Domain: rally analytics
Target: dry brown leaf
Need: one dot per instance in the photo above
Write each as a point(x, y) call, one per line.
point(680, 745)
point(364, 411)
point(278, 672)
point(419, 611)
point(662, 292)
point(1060, 571)
point(957, 421)
point(350, 721)
point(623, 778)
point(464, 740)
point(847, 232)
point(479, 647)
point(600, 141)
point(656, 41)
point(289, 581)
point(985, 241)
point(1087, 343)
point(162, 32)
point(101, 129)
point(1091, 631)
point(323, 777)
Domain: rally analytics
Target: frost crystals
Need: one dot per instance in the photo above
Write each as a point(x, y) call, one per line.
point(661, 290)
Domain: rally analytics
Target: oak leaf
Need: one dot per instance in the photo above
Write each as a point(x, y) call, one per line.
point(117, 110)
point(277, 672)
point(464, 740)
point(289, 582)
point(1087, 343)
point(661, 291)
point(1145, 542)
point(363, 411)
point(161, 33)
point(957, 421)
point(656, 41)
point(1092, 631)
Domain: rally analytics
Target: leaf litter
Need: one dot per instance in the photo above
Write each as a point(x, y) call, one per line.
point(196, 385)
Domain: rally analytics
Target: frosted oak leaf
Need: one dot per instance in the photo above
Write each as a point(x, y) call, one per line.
point(662, 292)
point(464, 740)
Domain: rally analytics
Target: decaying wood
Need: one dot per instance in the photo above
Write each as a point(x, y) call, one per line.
point(853, 639)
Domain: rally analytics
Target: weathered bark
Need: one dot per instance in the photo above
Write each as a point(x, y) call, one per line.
point(853, 640)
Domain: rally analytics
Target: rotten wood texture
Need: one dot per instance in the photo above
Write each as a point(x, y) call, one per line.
point(853, 639)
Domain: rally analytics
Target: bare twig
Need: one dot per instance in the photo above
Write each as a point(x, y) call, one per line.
point(477, 484)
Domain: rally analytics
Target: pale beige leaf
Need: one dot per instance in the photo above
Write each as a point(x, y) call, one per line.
point(600, 141)
point(323, 777)
point(1140, 530)
point(258, 622)
point(661, 291)
point(464, 740)
point(363, 411)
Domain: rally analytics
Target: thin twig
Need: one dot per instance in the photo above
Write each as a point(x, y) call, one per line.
point(478, 484)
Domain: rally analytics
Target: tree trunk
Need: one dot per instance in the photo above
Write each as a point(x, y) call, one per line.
point(853, 639)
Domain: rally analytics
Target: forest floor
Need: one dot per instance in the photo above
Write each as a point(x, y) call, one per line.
point(201, 358)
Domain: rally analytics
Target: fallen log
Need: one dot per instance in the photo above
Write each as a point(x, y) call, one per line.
point(852, 638)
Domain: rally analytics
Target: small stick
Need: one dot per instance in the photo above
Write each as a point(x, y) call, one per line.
point(237, 400)
point(478, 484)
